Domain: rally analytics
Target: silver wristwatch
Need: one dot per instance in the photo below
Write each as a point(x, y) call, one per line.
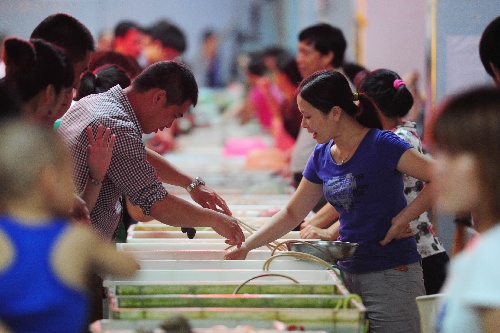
point(197, 181)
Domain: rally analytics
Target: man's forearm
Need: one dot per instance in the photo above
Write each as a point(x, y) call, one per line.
point(166, 171)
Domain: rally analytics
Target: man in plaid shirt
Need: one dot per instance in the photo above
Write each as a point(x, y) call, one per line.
point(160, 94)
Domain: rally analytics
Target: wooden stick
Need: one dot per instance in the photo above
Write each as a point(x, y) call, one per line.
point(251, 230)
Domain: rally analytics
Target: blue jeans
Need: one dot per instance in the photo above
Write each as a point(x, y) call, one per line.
point(389, 297)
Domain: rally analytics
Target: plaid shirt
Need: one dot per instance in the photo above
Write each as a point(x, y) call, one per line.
point(129, 173)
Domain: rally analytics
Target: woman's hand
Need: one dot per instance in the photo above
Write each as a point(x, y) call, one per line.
point(99, 151)
point(312, 232)
point(398, 230)
point(236, 254)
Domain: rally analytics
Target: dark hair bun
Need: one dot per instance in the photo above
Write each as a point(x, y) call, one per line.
point(19, 55)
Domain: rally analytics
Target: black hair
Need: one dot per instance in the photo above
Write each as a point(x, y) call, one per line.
point(328, 88)
point(68, 33)
point(256, 64)
point(288, 66)
point(126, 62)
point(169, 34)
point(123, 27)
point(326, 38)
point(101, 80)
point(33, 65)
point(273, 51)
point(208, 33)
point(9, 108)
point(173, 77)
point(351, 70)
point(378, 85)
point(489, 46)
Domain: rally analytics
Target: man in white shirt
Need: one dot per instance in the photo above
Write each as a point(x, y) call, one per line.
point(321, 47)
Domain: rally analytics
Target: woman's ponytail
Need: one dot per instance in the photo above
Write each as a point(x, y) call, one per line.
point(402, 101)
point(367, 114)
point(87, 85)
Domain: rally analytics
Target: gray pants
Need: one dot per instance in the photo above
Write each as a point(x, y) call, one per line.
point(389, 297)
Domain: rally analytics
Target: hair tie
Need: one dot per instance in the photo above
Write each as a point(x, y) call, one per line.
point(355, 97)
point(398, 83)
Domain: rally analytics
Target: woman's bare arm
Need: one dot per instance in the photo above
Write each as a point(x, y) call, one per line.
point(419, 166)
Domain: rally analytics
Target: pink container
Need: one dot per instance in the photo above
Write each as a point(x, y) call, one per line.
point(242, 146)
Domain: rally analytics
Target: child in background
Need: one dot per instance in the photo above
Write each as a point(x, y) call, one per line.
point(256, 105)
point(45, 259)
point(466, 146)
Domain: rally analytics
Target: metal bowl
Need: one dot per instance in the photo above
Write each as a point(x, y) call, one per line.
point(329, 251)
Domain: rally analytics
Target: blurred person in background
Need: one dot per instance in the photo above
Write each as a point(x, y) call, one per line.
point(465, 141)
point(72, 36)
point(286, 115)
point(75, 39)
point(288, 79)
point(37, 76)
point(2, 64)
point(128, 38)
point(167, 42)
point(207, 64)
point(489, 53)
point(37, 73)
point(489, 50)
point(255, 105)
point(127, 63)
point(45, 258)
point(271, 56)
point(104, 41)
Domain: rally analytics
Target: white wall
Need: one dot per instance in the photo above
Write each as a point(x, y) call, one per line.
point(395, 35)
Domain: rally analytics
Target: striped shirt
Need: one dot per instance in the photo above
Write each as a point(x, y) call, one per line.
point(129, 172)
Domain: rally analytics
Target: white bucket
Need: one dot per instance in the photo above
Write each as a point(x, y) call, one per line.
point(428, 308)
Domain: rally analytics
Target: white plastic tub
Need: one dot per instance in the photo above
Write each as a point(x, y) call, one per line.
point(194, 255)
point(159, 277)
point(276, 264)
point(250, 199)
point(176, 246)
point(197, 326)
point(162, 231)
